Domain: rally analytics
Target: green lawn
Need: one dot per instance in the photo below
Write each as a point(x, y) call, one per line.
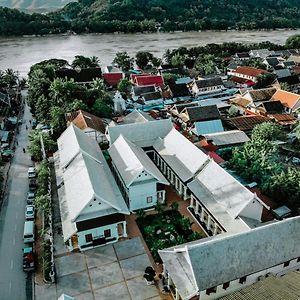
point(166, 229)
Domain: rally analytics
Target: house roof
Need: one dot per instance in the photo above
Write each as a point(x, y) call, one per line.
point(179, 90)
point(283, 118)
point(246, 123)
point(205, 127)
point(202, 113)
point(287, 99)
point(84, 75)
point(290, 80)
point(240, 102)
point(143, 134)
point(136, 116)
point(178, 108)
point(180, 154)
point(208, 82)
point(250, 71)
point(273, 288)
point(242, 55)
point(86, 176)
point(149, 80)
point(138, 90)
point(263, 53)
point(272, 61)
point(112, 78)
point(260, 94)
point(131, 161)
point(151, 96)
point(227, 138)
point(238, 80)
point(85, 120)
point(235, 255)
point(272, 107)
point(282, 73)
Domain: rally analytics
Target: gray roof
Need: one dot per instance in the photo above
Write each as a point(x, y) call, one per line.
point(183, 157)
point(232, 137)
point(282, 73)
point(209, 82)
point(235, 256)
point(139, 90)
point(131, 161)
point(142, 134)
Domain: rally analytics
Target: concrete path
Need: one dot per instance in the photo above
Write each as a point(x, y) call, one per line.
point(14, 283)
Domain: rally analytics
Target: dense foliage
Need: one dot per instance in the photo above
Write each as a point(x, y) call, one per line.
point(259, 160)
point(50, 98)
point(151, 15)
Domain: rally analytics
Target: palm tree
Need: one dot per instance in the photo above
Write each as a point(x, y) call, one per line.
point(10, 77)
point(95, 62)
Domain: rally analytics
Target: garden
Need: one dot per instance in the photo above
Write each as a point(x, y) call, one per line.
point(165, 229)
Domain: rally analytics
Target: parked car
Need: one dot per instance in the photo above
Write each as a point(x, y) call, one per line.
point(31, 172)
point(28, 258)
point(29, 212)
point(33, 123)
point(32, 185)
point(30, 197)
point(296, 161)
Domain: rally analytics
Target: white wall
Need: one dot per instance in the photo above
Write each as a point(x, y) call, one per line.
point(97, 232)
point(278, 270)
point(93, 207)
point(253, 210)
point(96, 135)
point(143, 187)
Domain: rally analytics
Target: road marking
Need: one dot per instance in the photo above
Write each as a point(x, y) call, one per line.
point(11, 264)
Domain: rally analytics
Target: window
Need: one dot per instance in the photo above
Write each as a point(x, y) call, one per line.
point(107, 232)
point(226, 285)
point(286, 264)
point(149, 199)
point(211, 290)
point(88, 238)
point(242, 279)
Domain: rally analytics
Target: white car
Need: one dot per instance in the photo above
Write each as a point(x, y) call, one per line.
point(29, 212)
point(31, 172)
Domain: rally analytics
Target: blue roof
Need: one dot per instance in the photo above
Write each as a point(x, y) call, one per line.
point(205, 127)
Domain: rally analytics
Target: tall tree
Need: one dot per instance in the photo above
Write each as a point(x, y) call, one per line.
point(142, 58)
point(123, 61)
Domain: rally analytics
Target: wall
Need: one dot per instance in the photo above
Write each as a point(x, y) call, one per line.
point(278, 270)
point(143, 187)
point(93, 207)
point(253, 210)
point(97, 232)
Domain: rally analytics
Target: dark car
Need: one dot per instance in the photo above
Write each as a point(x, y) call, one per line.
point(32, 185)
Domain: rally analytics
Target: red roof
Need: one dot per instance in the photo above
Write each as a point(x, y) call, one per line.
point(242, 81)
point(133, 76)
point(112, 78)
point(218, 159)
point(148, 80)
point(250, 71)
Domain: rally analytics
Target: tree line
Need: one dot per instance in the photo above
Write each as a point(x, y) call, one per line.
point(151, 15)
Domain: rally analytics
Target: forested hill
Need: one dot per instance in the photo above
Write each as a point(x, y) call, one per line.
point(165, 15)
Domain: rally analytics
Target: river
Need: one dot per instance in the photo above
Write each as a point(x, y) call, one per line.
point(20, 53)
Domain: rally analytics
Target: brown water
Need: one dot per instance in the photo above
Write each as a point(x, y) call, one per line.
point(22, 52)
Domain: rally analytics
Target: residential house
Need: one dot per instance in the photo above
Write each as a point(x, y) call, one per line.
point(176, 109)
point(246, 123)
point(241, 56)
point(229, 138)
point(214, 267)
point(136, 116)
point(179, 92)
point(247, 73)
point(270, 107)
point(185, 80)
point(260, 53)
point(290, 101)
point(150, 100)
point(207, 86)
point(92, 208)
point(137, 91)
point(146, 79)
point(201, 119)
point(91, 125)
point(80, 75)
point(139, 179)
point(112, 76)
point(283, 119)
point(292, 82)
point(271, 62)
point(241, 104)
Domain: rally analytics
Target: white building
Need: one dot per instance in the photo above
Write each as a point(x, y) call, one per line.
point(92, 207)
point(213, 267)
point(139, 179)
point(207, 86)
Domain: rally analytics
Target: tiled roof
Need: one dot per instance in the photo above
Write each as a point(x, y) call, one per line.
point(112, 78)
point(272, 107)
point(138, 90)
point(150, 79)
point(151, 96)
point(179, 90)
point(291, 80)
point(208, 82)
point(261, 94)
point(239, 80)
point(246, 123)
point(286, 98)
point(242, 55)
point(203, 113)
point(240, 102)
point(272, 61)
point(182, 106)
point(283, 117)
point(86, 120)
point(250, 71)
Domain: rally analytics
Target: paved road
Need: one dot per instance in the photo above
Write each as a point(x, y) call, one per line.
point(14, 283)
